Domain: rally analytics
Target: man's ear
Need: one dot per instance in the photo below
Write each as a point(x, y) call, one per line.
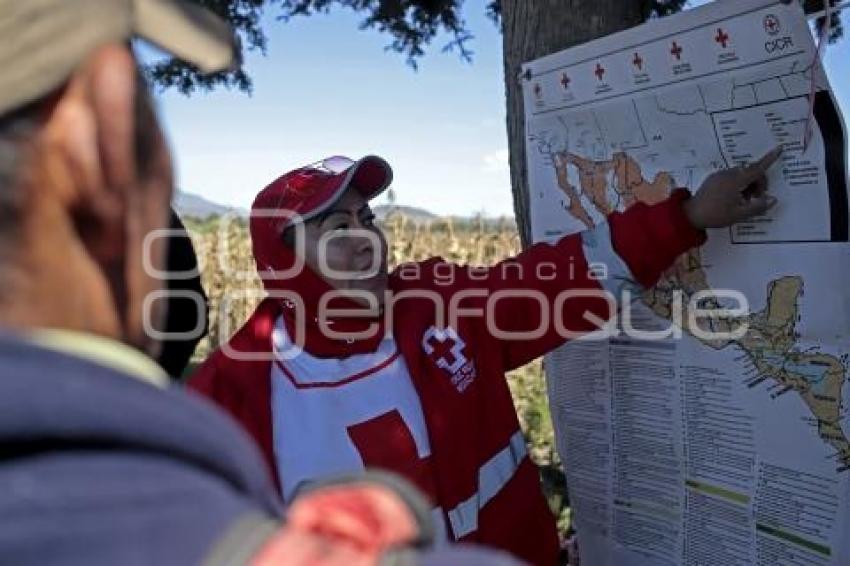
point(92, 131)
point(112, 80)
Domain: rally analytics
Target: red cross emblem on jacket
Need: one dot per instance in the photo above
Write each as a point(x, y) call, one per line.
point(445, 347)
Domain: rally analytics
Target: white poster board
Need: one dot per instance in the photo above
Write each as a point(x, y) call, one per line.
point(692, 450)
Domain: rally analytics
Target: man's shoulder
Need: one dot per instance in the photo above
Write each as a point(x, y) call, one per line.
point(53, 402)
point(115, 507)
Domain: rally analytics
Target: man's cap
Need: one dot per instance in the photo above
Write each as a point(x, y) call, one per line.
point(43, 41)
point(311, 190)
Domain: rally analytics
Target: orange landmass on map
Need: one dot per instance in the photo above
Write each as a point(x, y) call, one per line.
point(632, 187)
point(594, 178)
point(573, 203)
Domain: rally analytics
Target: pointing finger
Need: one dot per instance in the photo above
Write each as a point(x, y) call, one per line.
point(760, 167)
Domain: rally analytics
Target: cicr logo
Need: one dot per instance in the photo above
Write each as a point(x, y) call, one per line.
point(771, 24)
point(780, 44)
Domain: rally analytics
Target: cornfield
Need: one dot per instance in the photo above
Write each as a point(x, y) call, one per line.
point(229, 277)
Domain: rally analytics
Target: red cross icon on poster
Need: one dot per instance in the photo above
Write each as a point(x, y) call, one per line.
point(676, 51)
point(638, 62)
point(722, 37)
point(599, 72)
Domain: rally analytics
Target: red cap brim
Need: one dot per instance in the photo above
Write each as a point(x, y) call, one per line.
point(370, 175)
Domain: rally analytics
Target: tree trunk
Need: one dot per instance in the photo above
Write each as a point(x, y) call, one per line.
point(531, 29)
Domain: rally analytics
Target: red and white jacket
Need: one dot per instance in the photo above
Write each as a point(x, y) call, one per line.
point(478, 470)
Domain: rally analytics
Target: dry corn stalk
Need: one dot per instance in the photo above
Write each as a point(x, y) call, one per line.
point(229, 275)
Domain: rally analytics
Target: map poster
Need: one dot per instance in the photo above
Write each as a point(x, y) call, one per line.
point(723, 441)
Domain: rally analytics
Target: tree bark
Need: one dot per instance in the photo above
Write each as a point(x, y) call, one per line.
point(531, 29)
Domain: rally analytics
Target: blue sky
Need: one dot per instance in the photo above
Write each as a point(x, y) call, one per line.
point(327, 88)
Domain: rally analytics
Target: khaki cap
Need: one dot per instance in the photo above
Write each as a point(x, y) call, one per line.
point(43, 41)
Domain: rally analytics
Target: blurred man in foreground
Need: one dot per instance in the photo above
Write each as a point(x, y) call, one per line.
point(101, 462)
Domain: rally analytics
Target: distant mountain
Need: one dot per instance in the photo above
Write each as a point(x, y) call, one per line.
point(190, 205)
point(382, 211)
point(195, 206)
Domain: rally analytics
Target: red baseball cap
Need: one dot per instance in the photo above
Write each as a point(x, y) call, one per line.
point(310, 190)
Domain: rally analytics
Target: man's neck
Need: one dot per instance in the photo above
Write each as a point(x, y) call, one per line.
point(39, 295)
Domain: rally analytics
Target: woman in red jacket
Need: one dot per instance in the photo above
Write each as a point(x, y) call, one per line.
point(346, 366)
